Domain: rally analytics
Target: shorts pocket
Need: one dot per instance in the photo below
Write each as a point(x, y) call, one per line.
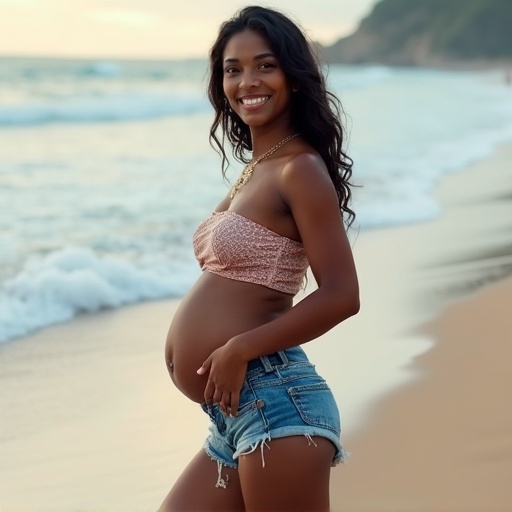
point(316, 406)
point(246, 407)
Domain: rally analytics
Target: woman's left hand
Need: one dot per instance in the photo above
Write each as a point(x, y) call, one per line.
point(226, 376)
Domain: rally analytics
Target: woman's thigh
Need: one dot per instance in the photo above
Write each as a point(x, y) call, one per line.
point(195, 489)
point(295, 477)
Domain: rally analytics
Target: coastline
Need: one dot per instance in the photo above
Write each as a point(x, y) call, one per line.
point(87, 411)
point(443, 441)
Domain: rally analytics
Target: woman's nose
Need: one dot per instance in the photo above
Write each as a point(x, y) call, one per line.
point(248, 80)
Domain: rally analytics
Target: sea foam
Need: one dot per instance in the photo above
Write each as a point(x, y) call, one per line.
point(75, 280)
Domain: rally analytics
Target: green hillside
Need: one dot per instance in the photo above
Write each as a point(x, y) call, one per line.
point(423, 32)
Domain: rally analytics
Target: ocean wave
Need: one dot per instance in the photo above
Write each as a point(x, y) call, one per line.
point(406, 195)
point(70, 281)
point(41, 70)
point(90, 109)
point(344, 77)
point(103, 68)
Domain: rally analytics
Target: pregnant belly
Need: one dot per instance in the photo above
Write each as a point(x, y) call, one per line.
point(215, 310)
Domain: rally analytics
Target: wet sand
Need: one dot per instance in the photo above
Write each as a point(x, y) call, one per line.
point(443, 442)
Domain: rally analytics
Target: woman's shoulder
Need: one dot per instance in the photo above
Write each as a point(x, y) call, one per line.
point(305, 158)
point(305, 167)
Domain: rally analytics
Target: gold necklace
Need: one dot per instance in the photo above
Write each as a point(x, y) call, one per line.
point(249, 168)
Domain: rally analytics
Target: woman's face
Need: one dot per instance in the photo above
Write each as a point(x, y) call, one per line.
point(254, 83)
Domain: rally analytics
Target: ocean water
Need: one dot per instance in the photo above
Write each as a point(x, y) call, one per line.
point(106, 170)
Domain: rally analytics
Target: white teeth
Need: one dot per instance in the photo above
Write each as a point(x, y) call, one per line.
point(254, 101)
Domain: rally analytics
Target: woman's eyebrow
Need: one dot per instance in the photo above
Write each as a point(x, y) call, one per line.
point(256, 57)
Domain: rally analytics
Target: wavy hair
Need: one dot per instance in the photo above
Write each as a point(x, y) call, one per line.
point(315, 111)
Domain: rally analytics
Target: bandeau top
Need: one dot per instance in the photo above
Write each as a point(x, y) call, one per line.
point(233, 246)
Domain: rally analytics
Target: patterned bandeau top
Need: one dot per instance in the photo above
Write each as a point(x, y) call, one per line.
point(233, 246)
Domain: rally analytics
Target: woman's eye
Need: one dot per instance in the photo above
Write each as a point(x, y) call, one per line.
point(267, 65)
point(230, 70)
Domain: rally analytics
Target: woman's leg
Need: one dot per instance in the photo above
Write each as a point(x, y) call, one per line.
point(295, 477)
point(195, 489)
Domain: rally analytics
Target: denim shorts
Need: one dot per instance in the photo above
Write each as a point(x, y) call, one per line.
point(282, 396)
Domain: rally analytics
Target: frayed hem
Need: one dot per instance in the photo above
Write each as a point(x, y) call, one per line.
point(252, 447)
point(217, 458)
point(221, 482)
point(342, 458)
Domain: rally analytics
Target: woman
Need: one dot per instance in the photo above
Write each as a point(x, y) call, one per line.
point(233, 345)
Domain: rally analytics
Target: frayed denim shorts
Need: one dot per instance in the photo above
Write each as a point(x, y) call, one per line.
point(282, 396)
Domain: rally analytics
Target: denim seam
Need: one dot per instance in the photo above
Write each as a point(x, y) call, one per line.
point(260, 409)
point(280, 382)
point(257, 372)
point(311, 387)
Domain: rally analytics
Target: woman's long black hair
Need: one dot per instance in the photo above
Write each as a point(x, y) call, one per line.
point(315, 111)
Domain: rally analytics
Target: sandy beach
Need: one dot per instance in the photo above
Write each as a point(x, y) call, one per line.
point(89, 420)
point(443, 442)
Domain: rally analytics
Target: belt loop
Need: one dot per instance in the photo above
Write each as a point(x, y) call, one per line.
point(283, 357)
point(266, 364)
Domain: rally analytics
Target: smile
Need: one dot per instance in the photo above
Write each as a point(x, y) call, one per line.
point(254, 101)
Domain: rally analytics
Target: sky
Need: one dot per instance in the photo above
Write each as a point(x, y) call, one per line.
point(151, 28)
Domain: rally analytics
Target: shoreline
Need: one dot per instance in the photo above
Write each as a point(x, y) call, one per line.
point(443, 442)
point(87, 409)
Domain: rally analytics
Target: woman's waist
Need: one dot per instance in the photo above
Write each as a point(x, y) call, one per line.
point(269, 376)
point(183, 362)
point(279, 363)
point(232, 292)
point(185, 356)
